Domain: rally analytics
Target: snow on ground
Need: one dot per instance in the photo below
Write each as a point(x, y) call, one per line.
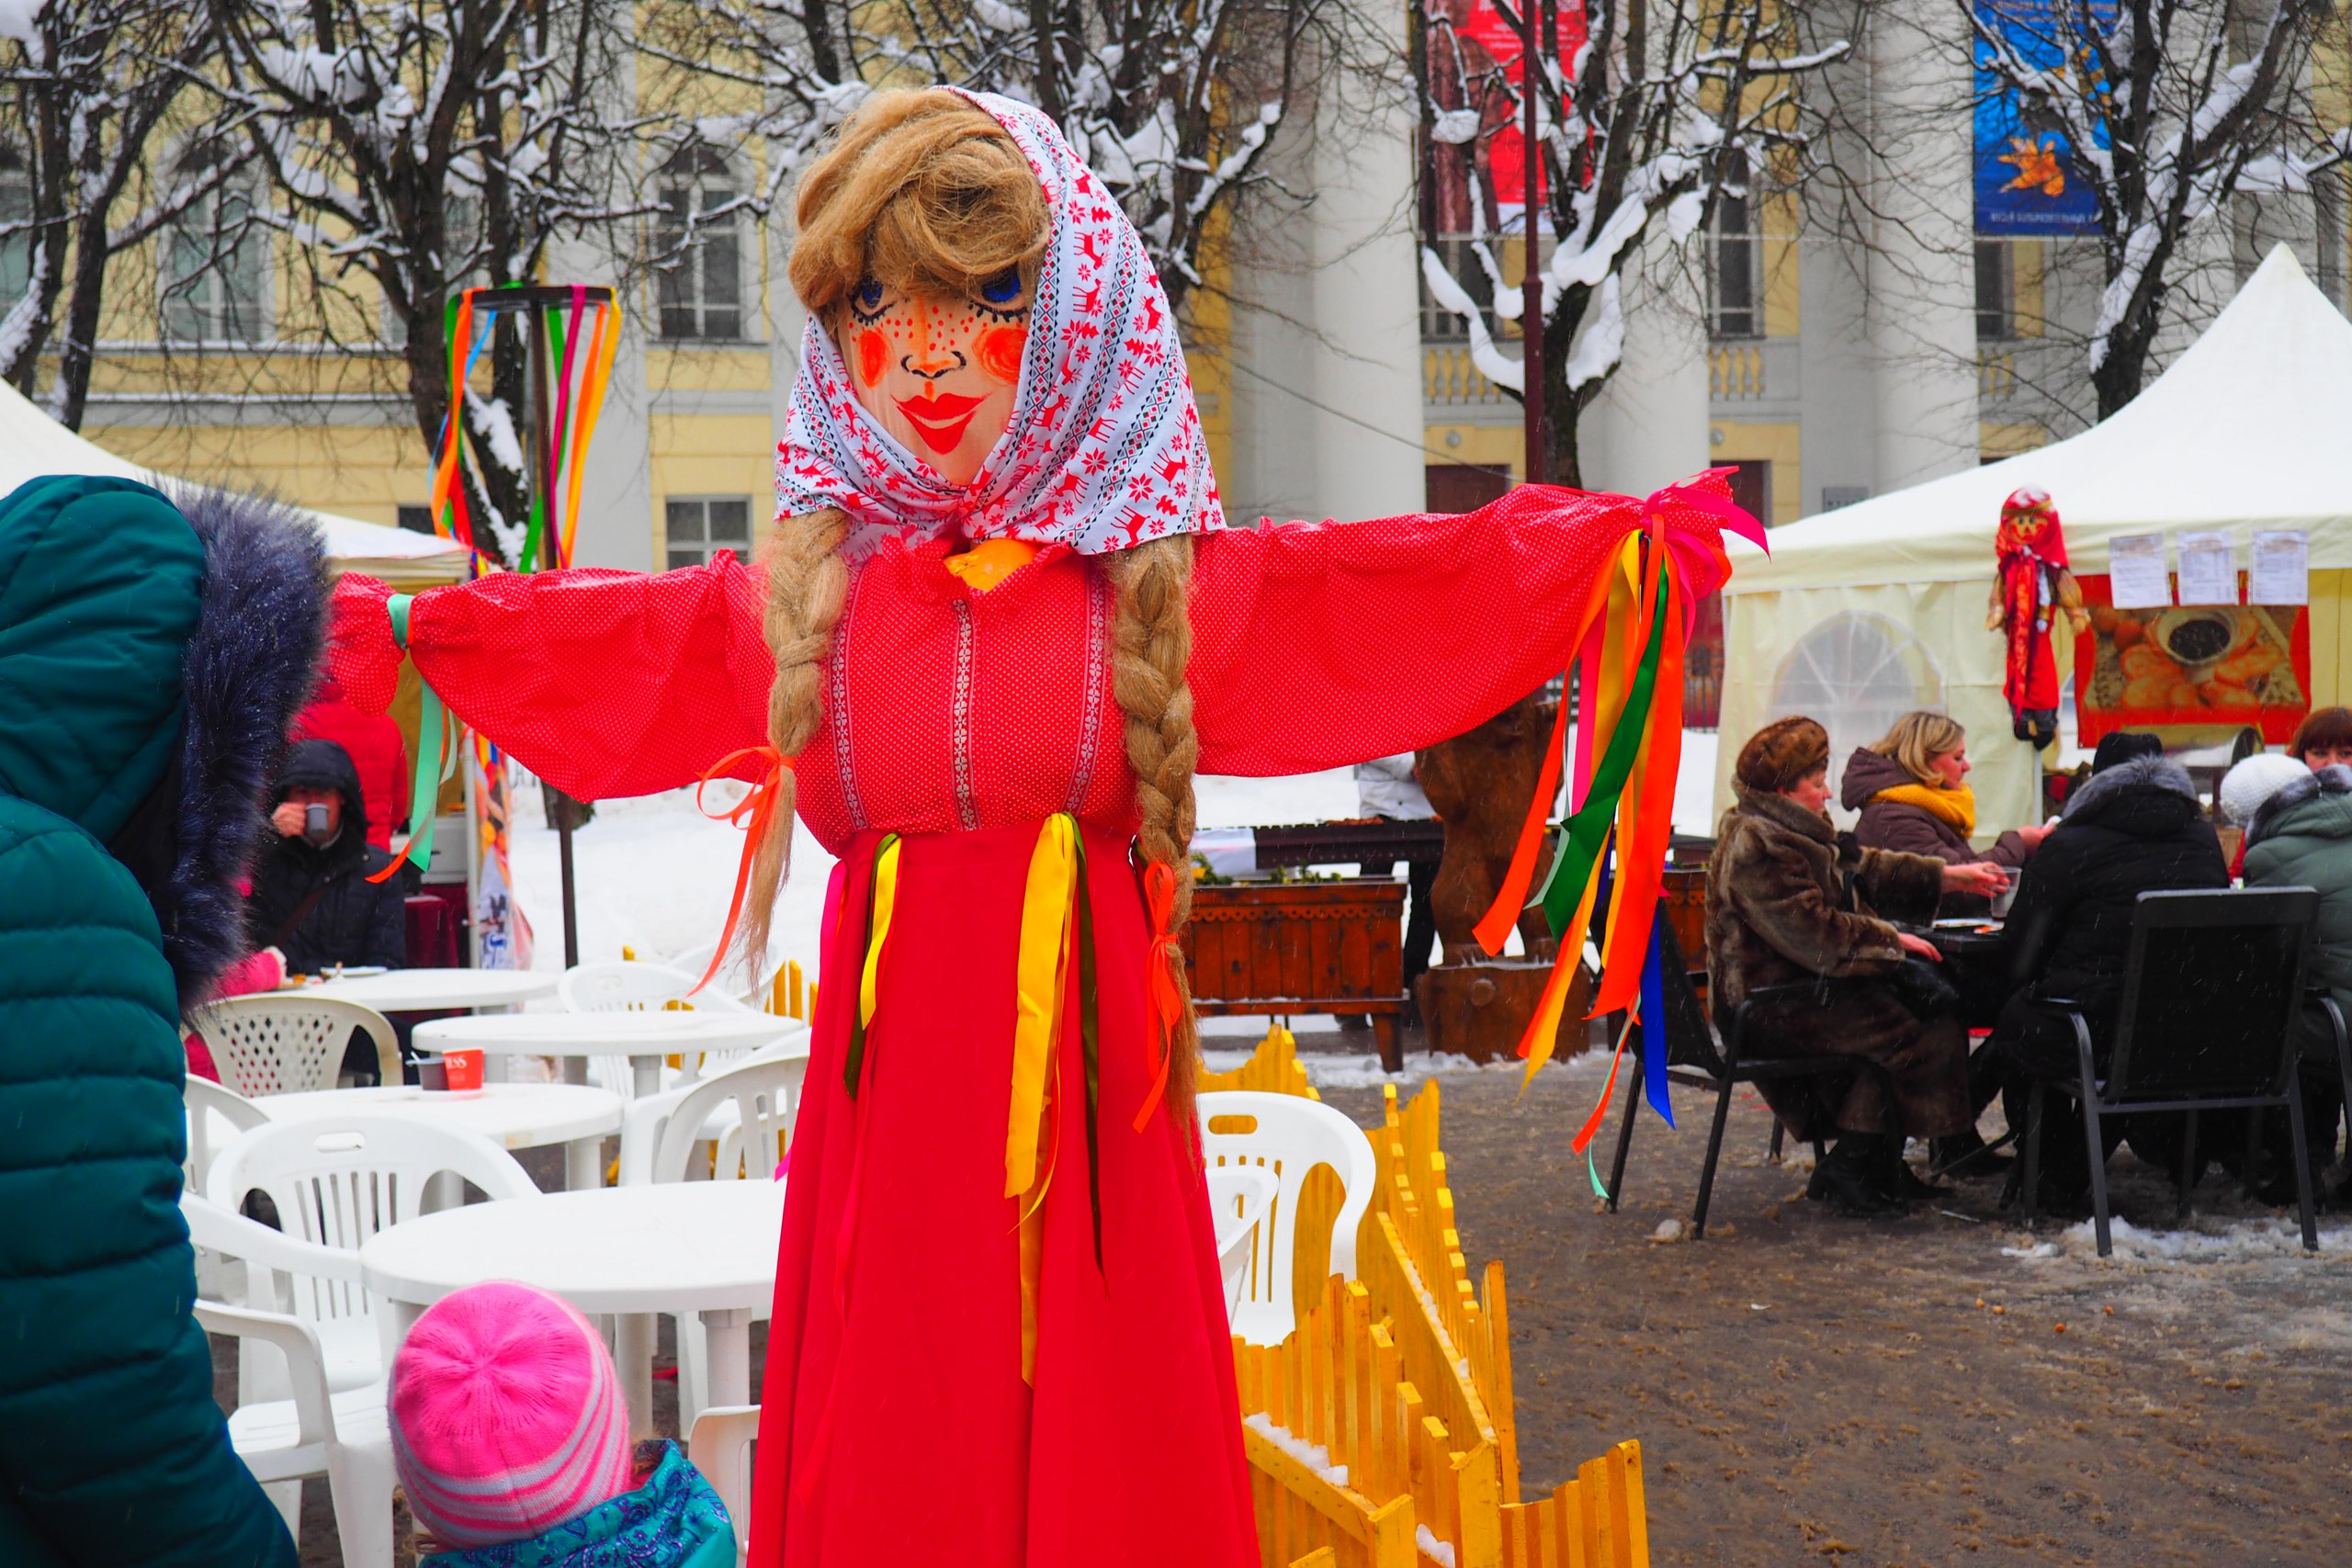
point(2204, 1240)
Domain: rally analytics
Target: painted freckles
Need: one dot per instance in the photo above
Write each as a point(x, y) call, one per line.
point(939, 374)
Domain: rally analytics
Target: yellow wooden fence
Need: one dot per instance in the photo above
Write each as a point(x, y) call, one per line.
point(1380, 1434)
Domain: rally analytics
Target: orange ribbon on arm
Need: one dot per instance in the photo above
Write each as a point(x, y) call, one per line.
point(759, 807)
point(1164, 999)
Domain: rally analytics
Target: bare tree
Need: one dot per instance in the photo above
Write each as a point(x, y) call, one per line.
point(1659, 109)
point(428, 146)
point(2169, 109)
point(91, 84)
point(1173, 102)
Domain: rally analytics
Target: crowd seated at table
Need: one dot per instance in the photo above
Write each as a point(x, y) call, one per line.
point(1791, 896)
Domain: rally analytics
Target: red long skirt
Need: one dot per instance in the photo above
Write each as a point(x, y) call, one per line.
point(896, 1425)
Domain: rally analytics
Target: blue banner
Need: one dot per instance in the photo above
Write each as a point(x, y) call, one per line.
point(2027, 178)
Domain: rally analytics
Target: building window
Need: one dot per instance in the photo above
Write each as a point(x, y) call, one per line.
point(215, 255)
point(1735, 259)
point(1996, 293)
point(415, 519)
point(698, 245)
point(17, 244)
point(700, 527)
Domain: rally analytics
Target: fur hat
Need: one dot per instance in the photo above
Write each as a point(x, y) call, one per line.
point(2122, 746)
point(2255, 781)
point(1781, 753)
point(506, 1418)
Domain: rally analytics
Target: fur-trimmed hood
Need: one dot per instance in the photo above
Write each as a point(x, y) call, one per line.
point(2139, 786)
point(152, 653)
point(2271, 817)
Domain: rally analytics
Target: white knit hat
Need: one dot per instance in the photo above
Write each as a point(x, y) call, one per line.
point(2255, 780)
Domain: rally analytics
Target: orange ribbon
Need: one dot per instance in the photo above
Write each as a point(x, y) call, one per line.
point(1164, 999)
point(759, 807)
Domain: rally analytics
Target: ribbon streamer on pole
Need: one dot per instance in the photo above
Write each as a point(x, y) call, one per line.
point(1627, 749)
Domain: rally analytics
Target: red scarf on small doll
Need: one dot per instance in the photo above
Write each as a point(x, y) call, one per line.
point(2032, 552)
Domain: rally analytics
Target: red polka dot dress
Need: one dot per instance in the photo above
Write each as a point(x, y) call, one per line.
point(899, 1425)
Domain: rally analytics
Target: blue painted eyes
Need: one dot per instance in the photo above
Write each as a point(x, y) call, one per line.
point(867, 297)
point(1003, 290)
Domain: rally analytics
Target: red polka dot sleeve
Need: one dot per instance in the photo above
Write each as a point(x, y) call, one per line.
point(602, 682)
point(1316, 645)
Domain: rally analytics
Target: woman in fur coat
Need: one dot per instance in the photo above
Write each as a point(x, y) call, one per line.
point(1790, 898)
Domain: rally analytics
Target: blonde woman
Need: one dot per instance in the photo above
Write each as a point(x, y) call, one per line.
point(1911, 788)
point(998, 627)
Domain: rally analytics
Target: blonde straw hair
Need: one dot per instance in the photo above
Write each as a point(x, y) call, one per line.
point(924, 191)
point(1919, 738)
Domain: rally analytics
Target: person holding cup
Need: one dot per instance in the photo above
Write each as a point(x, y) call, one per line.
point(1911, 788)
point(312, 898)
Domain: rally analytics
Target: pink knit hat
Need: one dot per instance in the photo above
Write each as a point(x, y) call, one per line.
point(506, 1418)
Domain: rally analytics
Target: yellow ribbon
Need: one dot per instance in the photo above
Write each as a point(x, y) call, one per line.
point(885, 888)
point(1048, 934)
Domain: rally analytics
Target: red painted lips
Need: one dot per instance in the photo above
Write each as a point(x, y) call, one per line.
point(940, 418)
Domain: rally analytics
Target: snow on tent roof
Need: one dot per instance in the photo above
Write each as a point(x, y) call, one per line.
point(33, 444)
point(2250, 428)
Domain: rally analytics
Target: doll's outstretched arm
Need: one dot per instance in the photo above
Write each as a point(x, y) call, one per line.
point(1316, 645)
point(602, 682)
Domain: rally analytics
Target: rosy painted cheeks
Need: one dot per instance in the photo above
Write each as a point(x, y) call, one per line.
point(998, 352)
point(873, 356)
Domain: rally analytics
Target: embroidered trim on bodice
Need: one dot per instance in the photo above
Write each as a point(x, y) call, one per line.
point(967, 810)
point(1089, 727)
point(837, 701)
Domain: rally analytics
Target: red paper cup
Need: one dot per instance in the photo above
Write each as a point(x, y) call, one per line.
point(463, 1067)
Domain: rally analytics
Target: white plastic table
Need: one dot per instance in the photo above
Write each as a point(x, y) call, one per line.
point(426, 990)
point(677, 1247)
point(512, 1115)
point(643, 1037)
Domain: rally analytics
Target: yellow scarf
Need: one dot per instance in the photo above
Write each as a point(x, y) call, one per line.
point(1956, 806)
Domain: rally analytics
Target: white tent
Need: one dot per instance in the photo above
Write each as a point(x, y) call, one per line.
point(1864, 612)
point(33, 444)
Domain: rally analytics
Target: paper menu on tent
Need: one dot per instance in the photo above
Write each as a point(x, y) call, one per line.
point(2281, 573)
point(2135, 569)
point(2208, 575)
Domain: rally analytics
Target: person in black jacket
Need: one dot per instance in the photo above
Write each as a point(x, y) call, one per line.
point(312, 898)
point(2133, 827)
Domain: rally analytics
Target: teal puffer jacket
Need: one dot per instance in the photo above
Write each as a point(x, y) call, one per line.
point(147, 671)
point(2302, 837)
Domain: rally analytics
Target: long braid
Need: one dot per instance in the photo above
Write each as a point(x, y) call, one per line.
point(808, 582)
point(1151, 642)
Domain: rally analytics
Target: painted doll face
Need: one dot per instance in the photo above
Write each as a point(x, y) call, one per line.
point(939, 372)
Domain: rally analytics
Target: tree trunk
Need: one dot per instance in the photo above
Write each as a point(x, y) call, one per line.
point(79, 348)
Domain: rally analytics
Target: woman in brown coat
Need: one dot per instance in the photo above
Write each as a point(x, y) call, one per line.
point(1790, 898)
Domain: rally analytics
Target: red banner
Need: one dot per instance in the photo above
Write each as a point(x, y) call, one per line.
point(1474, 63)
point(2230, 664)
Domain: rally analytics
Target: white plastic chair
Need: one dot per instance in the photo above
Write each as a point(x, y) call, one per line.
point(1240, 1198)
point(215, 1117)
point(747, 1113)
point(718, 1444)
point(342, 1437)
point(278, 1273)
point(1289, 1135)
point(760, 1093)
point(734, 976)
point(291, 1044)
point(337, 1181)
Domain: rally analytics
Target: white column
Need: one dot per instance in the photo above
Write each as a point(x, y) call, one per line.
point(1921, 313)
point(1648, 428)
point(1366, 356)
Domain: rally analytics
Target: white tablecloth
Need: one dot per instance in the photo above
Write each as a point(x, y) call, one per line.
point(425, 990)
point(514, 1116)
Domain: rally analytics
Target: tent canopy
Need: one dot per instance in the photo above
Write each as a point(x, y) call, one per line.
point(2251, 428)
point(33, 444)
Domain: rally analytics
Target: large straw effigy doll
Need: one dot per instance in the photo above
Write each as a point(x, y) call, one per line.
point(1000, 625)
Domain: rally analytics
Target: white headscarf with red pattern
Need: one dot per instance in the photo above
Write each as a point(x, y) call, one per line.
point(1104, 448)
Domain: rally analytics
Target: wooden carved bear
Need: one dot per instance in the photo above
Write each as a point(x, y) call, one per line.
point(1480, 784)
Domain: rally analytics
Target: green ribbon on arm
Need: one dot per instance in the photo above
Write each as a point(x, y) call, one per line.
point(1583, 835)
point(425, 785)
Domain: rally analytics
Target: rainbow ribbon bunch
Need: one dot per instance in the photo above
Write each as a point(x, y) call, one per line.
point(1635, 625)
point(577, 381)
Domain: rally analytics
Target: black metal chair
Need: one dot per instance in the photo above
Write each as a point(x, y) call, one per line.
point(2212, 996)
point(1693, 1061)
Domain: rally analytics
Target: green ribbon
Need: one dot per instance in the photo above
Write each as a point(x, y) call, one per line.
point(424, 786)
point(853, 1060)
point(1583, 835)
